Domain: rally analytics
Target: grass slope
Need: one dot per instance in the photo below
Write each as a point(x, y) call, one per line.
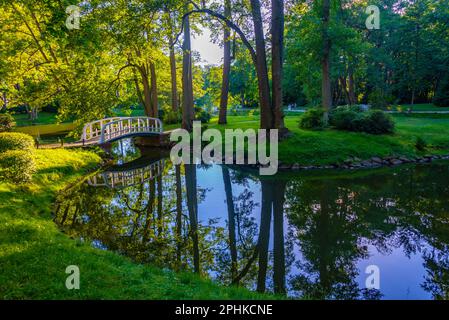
point(34, 253)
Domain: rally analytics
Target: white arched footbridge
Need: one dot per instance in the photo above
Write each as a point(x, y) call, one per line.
point(112, 129)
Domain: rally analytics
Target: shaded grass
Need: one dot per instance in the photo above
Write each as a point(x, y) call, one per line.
point(46, 129)
point(34, 253)
point(23, 119)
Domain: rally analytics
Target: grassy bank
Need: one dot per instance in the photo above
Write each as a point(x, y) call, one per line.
point(308, 147)
point(34, 253)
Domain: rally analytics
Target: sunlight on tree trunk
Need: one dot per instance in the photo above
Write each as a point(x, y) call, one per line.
point(187, 78)
point(226, 67)
point(277, 51)
point(326, 96)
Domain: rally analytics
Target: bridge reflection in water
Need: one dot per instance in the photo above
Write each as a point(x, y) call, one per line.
point(127, 177)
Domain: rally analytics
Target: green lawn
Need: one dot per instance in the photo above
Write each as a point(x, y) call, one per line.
point(308, 147)
point(34, 253)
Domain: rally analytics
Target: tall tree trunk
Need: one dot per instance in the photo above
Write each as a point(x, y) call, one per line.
point(231, 220)
point(266, 113)
point(277, 54)
point(325, 62)
point(226, 67)
point(174, 81)
point(147, 104)
point(187, 79)
point(154, 99)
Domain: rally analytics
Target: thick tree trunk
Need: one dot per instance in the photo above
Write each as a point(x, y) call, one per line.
point(187, 79)
point(226, 67)
point(174, 80)
point(154, 99)
point(147, 103)
point(277, 52)
point(266, 113)
point(325, 62)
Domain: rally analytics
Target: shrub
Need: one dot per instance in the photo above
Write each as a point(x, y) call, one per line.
point(343, 118)
point(17, 166)
point(373, 122)
point(6, 122)
point(377, 122)
point(15, 141)
point(420, 144)
point(312, 119)
point(203, 115)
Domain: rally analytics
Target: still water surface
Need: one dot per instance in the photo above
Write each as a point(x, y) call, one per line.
point(310, 234)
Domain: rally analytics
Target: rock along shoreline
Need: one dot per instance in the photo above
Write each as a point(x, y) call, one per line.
point(356, 163)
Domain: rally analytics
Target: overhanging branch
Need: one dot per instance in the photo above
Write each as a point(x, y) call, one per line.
point(228, 22)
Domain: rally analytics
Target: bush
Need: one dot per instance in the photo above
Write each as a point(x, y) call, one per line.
point(373, 122)
point(15, 141)
point(17, 166)
point(377, 122)
point(6, 122)
point(312, 119)
point(343, 118)
point(420, 144)
point(203, 115)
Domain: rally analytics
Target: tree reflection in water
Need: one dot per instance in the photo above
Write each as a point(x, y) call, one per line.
point(301, 235)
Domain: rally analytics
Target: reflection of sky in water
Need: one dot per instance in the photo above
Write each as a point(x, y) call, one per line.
point(400, 276)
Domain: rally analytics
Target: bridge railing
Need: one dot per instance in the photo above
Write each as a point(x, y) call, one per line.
point(129, 126)
point(111, 128)
point(92, 130)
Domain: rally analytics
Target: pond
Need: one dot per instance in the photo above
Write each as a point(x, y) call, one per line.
point(313, 234)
